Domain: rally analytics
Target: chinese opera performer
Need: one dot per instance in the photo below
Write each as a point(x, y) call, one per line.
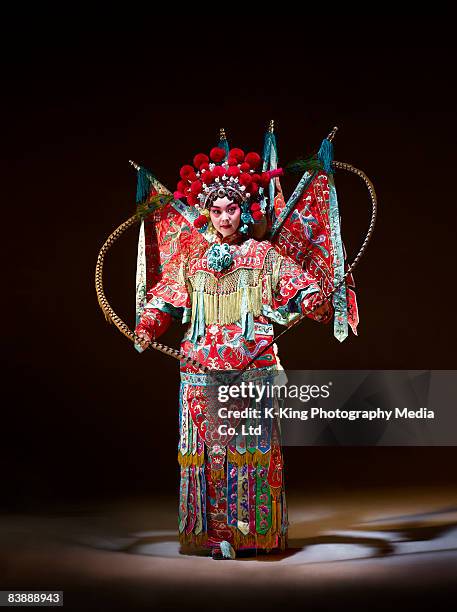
point(226, 256)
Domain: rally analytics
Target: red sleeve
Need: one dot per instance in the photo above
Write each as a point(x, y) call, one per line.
point(291, 280)
point(153, 323)
point(298, 290)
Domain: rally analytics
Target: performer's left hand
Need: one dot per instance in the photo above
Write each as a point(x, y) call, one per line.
point(314, 308)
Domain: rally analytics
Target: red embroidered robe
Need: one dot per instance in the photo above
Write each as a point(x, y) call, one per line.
point(231, 487)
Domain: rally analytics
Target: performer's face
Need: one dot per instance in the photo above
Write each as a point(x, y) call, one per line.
point(225, 216)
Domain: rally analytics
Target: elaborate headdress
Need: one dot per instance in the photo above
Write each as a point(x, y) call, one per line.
point(226, 173)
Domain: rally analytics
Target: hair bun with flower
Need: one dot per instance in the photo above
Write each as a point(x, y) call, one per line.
point(234, 175)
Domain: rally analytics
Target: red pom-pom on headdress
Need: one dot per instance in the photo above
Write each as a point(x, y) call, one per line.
point(200, 221)
point(186, 172)
point(237, 154)
point(233, 171)
point(196, 187)
point(245, 167)
point(207, 177)
point(217, 154)
point(183, 186)
point(218, 171)
point(200, 159)
point(245, 179)
point(256, 211)
point(253, 159)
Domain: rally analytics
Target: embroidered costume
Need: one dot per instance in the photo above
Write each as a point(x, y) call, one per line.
point(228, 292)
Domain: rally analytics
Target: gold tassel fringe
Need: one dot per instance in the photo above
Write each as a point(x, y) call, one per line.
point(226, 308)
point(256, 458)
point(188, 460)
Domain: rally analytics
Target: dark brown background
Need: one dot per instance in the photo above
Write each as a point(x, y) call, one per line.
point(84, 414)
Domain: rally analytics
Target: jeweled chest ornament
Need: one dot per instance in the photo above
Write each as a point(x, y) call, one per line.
point(219, 257)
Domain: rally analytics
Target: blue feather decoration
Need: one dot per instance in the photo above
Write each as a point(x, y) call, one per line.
point(325, 156)
point(143, 185)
